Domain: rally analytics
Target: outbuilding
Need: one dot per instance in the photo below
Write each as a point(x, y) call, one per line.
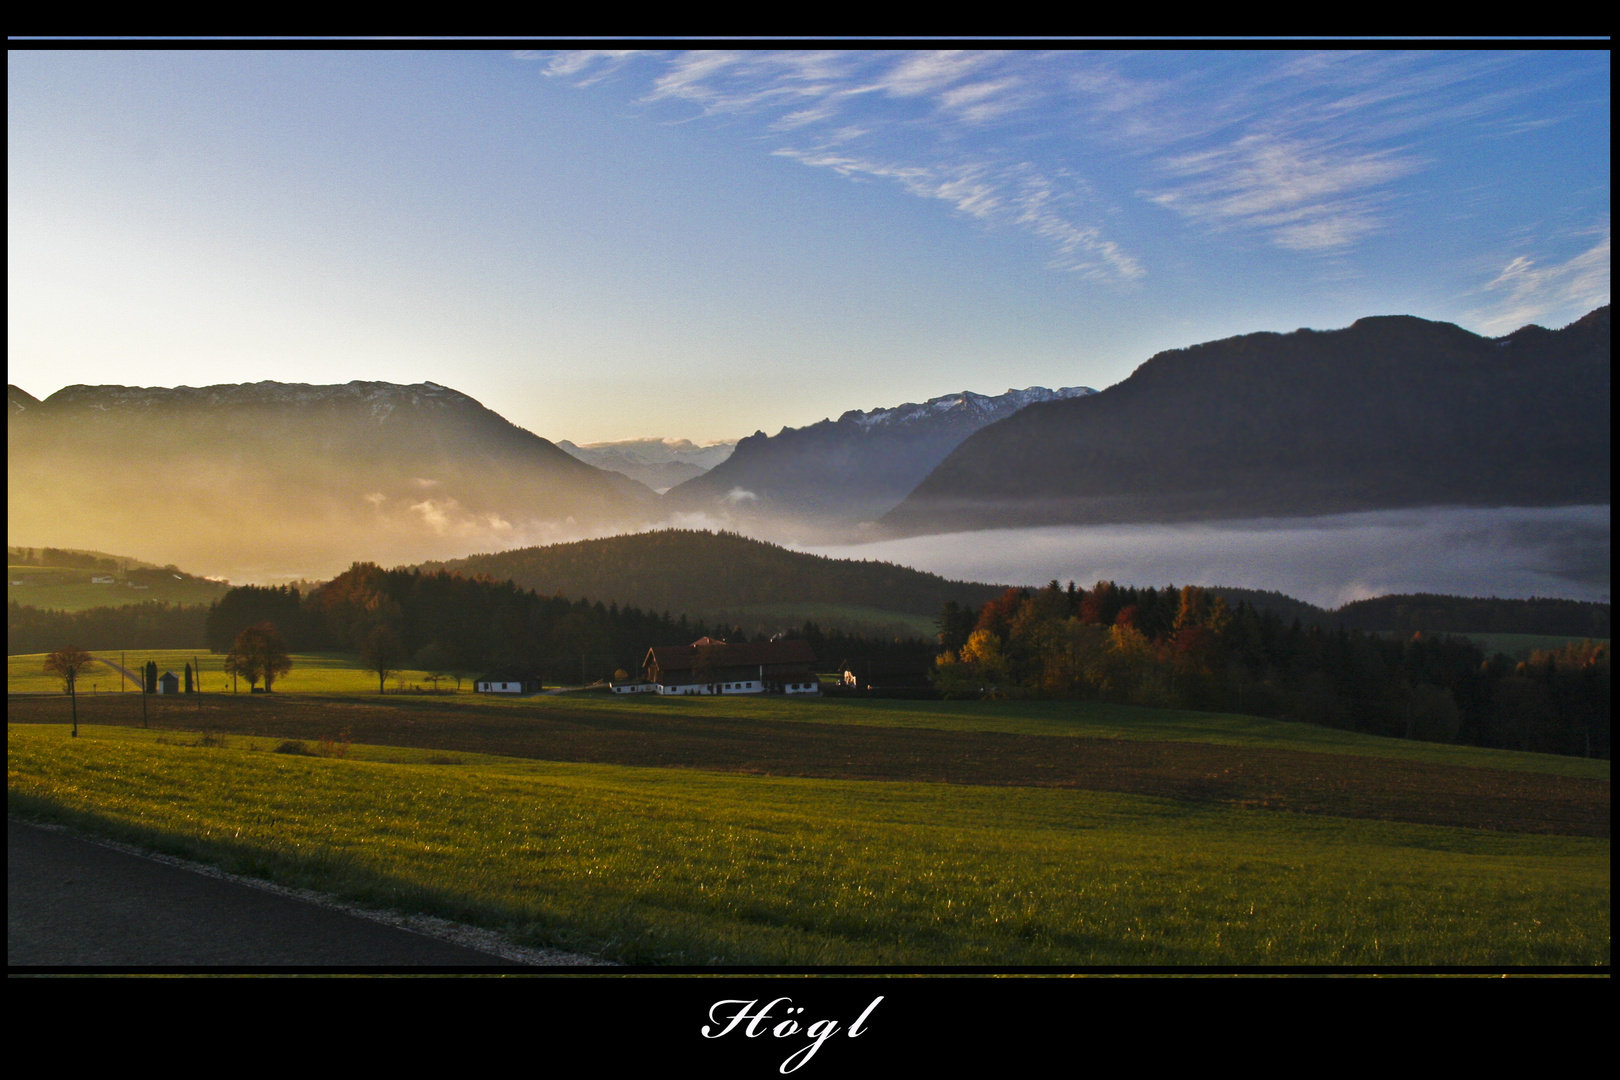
point(507, 681)
point(168, 683)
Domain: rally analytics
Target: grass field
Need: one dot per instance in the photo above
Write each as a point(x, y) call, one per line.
point(688, 866)
point(1519, 646)
point(70, 590)
point(312, 673)
point(847, 617)
point(336, 673)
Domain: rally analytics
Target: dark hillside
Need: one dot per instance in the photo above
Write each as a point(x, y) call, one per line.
point(1391, 412)
point(692, 572)
point(1470, 615)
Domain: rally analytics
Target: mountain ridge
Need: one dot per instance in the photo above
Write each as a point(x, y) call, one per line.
point(839, 472)
point(234, 476)
point(1392, 411)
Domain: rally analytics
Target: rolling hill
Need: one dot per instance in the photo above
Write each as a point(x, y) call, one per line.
point(700, 573)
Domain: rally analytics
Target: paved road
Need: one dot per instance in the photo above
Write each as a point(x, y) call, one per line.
point(135, 679)
point(71, 903)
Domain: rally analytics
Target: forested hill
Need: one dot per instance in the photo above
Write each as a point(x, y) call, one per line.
point(1390, 412)
point(1469, 615)
point(694, 572)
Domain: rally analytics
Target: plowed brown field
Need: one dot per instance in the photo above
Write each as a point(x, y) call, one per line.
point(1246, 777)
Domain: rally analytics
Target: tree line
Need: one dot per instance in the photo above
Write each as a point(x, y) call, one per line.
point(1186, 648)
point(150, 624)
point(73, 560)
point(445, 622)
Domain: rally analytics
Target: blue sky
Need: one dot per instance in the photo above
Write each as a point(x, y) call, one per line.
point(605, 246)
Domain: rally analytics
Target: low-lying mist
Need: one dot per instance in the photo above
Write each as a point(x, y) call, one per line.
point(1506, 552)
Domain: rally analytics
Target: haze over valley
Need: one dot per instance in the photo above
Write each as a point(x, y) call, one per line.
point(1395, 456)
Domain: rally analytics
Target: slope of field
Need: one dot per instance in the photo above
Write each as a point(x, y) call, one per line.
point(63, 589)
point(850, 618)
point(689, 867)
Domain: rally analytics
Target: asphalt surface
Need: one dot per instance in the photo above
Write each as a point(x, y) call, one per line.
point(73, 903)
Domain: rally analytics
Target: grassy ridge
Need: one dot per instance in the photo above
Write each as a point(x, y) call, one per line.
point(681, 866)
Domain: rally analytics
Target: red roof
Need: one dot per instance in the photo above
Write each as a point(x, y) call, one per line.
point(685, 657)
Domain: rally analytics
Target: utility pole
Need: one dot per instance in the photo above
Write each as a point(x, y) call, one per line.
point(75, 699)
point(196, 670)
point(121, 662)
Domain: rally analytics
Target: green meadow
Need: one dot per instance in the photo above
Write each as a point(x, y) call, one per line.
point(312, 673)
point(691, 867)
point(1519, 646)
point(850, 617)
point(65, 589)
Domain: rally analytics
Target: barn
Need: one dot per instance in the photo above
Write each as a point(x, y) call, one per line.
point(711, 666)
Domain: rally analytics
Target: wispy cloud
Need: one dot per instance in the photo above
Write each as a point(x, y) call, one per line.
point(1304, 197)
point(1310, 152)
point(915, 120)
point(1532, 292)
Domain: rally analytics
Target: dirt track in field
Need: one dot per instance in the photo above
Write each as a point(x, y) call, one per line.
point(1245, 777)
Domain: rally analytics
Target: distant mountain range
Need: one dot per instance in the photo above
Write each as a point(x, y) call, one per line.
point(273, 479)
point(851, 469)
point(660, 464)
point(294, 478)
point(1390, 412)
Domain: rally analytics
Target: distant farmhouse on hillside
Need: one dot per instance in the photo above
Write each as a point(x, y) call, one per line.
point(710, 666)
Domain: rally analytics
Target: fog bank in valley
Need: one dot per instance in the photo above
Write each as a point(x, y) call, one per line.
point(1329, 561)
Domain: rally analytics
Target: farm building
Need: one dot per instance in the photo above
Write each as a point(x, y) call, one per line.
point(633, 686)
point(710, 666)
point(168, 683)
point(507, 681)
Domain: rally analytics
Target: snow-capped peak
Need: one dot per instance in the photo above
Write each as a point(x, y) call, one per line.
point(980, 407)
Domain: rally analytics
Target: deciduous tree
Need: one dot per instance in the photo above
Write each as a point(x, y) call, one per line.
point(68, 662)
point(259, 653)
